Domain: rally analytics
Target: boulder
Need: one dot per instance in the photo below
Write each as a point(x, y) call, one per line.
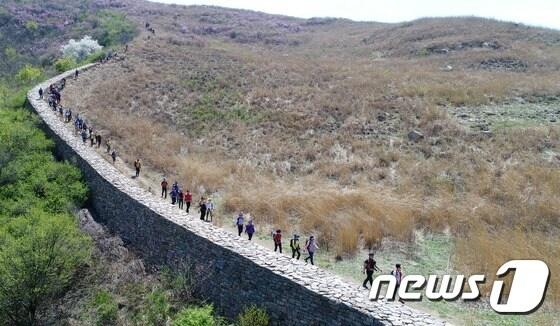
point(415, 136)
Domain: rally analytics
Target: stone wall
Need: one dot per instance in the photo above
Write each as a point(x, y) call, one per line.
point(237, 272)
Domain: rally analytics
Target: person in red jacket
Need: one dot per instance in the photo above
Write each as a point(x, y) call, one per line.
point(188, 199)
point(277, 237)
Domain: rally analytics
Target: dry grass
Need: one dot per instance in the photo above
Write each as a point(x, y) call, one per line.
point(310, 138)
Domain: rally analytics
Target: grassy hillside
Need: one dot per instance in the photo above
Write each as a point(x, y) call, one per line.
point(304, 123)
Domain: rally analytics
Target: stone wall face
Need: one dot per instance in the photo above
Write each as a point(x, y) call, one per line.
point(237, 273)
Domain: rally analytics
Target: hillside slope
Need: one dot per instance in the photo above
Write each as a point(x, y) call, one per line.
point(307, 125)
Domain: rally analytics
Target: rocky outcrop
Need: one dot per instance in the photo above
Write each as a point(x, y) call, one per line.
point(239, 272)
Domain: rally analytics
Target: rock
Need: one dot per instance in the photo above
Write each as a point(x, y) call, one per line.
point(415, 136)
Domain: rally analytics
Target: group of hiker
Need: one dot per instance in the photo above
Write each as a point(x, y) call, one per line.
point(184, 199)
point(82, 128)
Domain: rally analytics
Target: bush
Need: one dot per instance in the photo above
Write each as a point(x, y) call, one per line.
point(106, 309)
point(79, 50)
point(95, 57)
point(65, 64)
point(115, 28)
point(157, 309)
point(196, 316)
point(253, 316)
point(31, 25)
point(29, 74)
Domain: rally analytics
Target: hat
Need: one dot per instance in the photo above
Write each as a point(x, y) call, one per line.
point(398, 265)
point(279, 231)
point(296, 236)
point(371, 253)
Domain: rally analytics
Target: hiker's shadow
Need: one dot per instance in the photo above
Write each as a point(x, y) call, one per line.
point(133, 177)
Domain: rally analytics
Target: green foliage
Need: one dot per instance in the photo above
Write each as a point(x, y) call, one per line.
point(180, 285)
point(157, 308)
point(106, 308)
point(10, 53)
point(29, 74)
point(253, 316)
point(39, 254)
point(29, 175)
point(196, 316)
point(41, 246)
point(65, 64)
point(31, 25)
point(94, 57)
point(115, 28)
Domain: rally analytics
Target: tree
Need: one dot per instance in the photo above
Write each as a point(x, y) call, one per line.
point(39, 254)
point(65, 64)
point(115, 28)
point(79, 50)
point(29, 74)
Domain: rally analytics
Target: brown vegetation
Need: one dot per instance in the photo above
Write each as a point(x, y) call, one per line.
point(303, 123)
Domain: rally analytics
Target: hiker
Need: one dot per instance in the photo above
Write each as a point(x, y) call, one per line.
point(180, 198)
point(76, 74)
point(98, 139)
point(137, 166)
point(108, 144)
point(250, 229)
point(294, 244)
point(84, 136)
point(175, 187)
point(92, 137)
point(210, 210)
point(277, 238)
point(239, 223)
point(370, 266)
point(40, 93)
point(311, 246)
point(398, 274)
point(188, 199)
point(164, 188)
point(202, 206)
point(174, 193)
point(114, 155)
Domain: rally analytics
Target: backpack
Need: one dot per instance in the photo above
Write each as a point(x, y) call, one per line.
point(294, 244)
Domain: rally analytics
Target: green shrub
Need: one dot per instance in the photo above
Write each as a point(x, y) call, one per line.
point(253, 316)
point(106, 308)
point(29, 74)
point(31, 25)
point(65, 64)
point(95, 57)
point(10, 53)
point(196, 316)
point(115, 28)
point(29, 173)
point(157, 309)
